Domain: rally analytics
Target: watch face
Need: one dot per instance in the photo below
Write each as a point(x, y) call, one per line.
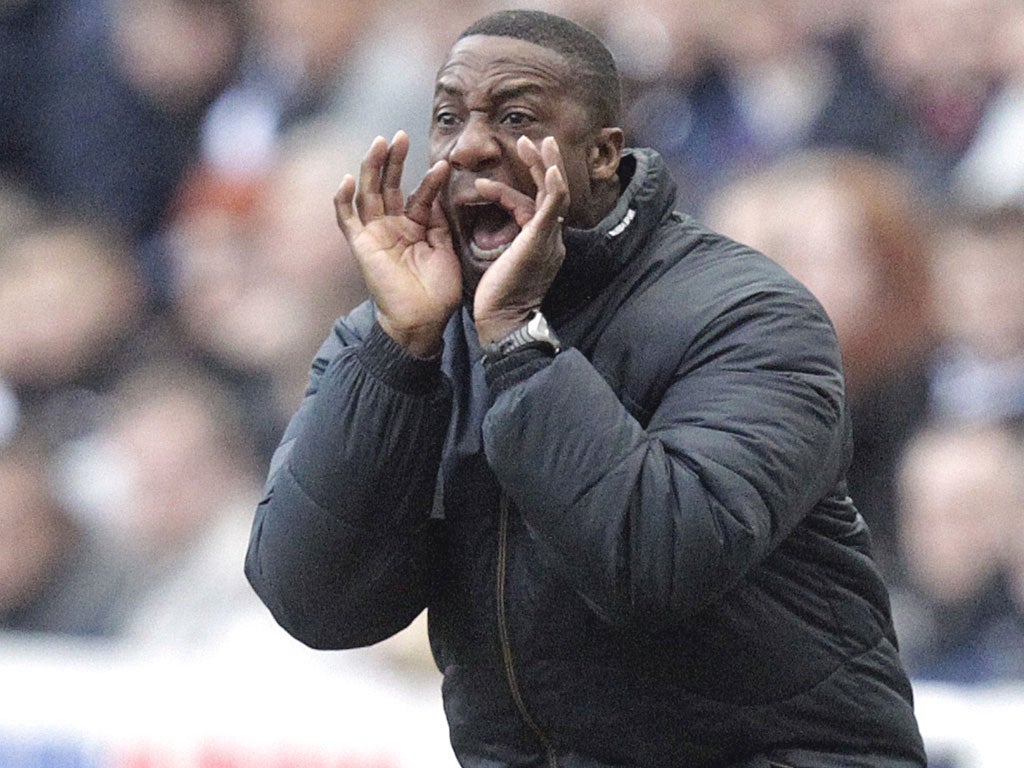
point(538, 325)
point(539, 330)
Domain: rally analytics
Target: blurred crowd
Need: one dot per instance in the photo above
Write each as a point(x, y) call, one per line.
point(169, 264)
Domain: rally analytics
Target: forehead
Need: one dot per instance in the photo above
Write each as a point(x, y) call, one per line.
point(487, 63)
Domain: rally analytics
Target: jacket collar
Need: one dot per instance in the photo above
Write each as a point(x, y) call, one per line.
point(593, 257)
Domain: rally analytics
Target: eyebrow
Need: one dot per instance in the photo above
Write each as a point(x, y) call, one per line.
point(502, 93)
point(515, 90)
point(449, 90)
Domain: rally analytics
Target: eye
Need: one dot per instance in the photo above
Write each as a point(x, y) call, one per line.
point(517, 119)
point(445, 118)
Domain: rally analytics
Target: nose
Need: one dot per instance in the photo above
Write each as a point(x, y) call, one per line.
point(476, 147)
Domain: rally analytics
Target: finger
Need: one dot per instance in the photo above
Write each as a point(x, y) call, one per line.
point(531, 157)
point(522, 207)
point(552, 208)
point(552, 155)
point(394, 201)
point(437, 233)
point(344, 208)
point(369, 202)
point(420, 204)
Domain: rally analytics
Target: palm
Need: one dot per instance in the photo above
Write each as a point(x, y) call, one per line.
point(411, 270)
point(404, 248)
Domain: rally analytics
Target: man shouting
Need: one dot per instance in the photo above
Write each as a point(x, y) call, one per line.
point(602, 445)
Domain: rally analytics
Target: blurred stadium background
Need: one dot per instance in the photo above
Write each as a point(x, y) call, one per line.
point(169, 264)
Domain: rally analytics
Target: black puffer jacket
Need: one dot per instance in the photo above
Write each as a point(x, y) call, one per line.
point(637, 553)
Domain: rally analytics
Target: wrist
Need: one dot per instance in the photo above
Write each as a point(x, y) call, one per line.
point(423, 343)
point(390, 363)
point(494, 328)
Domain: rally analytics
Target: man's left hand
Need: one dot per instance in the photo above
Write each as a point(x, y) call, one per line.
point(516, 283)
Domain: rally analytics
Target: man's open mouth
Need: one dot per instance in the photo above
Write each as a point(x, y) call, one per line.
point(487, 228)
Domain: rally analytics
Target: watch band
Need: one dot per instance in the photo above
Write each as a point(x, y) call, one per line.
point(534, 334)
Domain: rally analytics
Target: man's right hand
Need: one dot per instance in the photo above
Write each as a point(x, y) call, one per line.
point(404, 248)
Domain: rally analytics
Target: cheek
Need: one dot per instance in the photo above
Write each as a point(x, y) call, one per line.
point(577, 177)
point(520, 178)
point(439, 147)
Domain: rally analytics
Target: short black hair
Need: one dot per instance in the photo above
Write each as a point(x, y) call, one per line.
point(588, 58)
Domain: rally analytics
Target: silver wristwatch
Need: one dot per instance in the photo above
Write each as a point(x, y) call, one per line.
point(535, 334)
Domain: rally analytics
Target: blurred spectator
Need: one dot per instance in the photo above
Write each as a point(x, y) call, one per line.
point(313, 59)
point(170, 477)
point(304, 260)
point(295, 220)
point(978, 269)
point(116, 91)
point(849, 227)
point(991, 172)
point(935, 58)
point(381, 94)
point(298, 62)
point(762, 79)
point(962, 501)
point(70, 306)
point(56, 576)
point(261, 272)
point(658, 39)
point(26, 27)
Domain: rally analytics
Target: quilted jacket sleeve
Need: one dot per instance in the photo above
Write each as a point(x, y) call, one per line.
point(653, 522)
point(342, 549)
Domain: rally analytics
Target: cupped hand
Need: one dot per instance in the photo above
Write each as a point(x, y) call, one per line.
point(516, 283)
point(403, 247)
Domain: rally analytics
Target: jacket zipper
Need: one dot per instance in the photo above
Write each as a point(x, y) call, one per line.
point(506, 645)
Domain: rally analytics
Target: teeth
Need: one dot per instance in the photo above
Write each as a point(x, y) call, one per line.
point(491, 255)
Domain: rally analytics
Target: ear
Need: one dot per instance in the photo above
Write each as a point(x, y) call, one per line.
point(605, 154)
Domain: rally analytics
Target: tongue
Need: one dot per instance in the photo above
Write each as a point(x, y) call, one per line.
point(494, 232)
